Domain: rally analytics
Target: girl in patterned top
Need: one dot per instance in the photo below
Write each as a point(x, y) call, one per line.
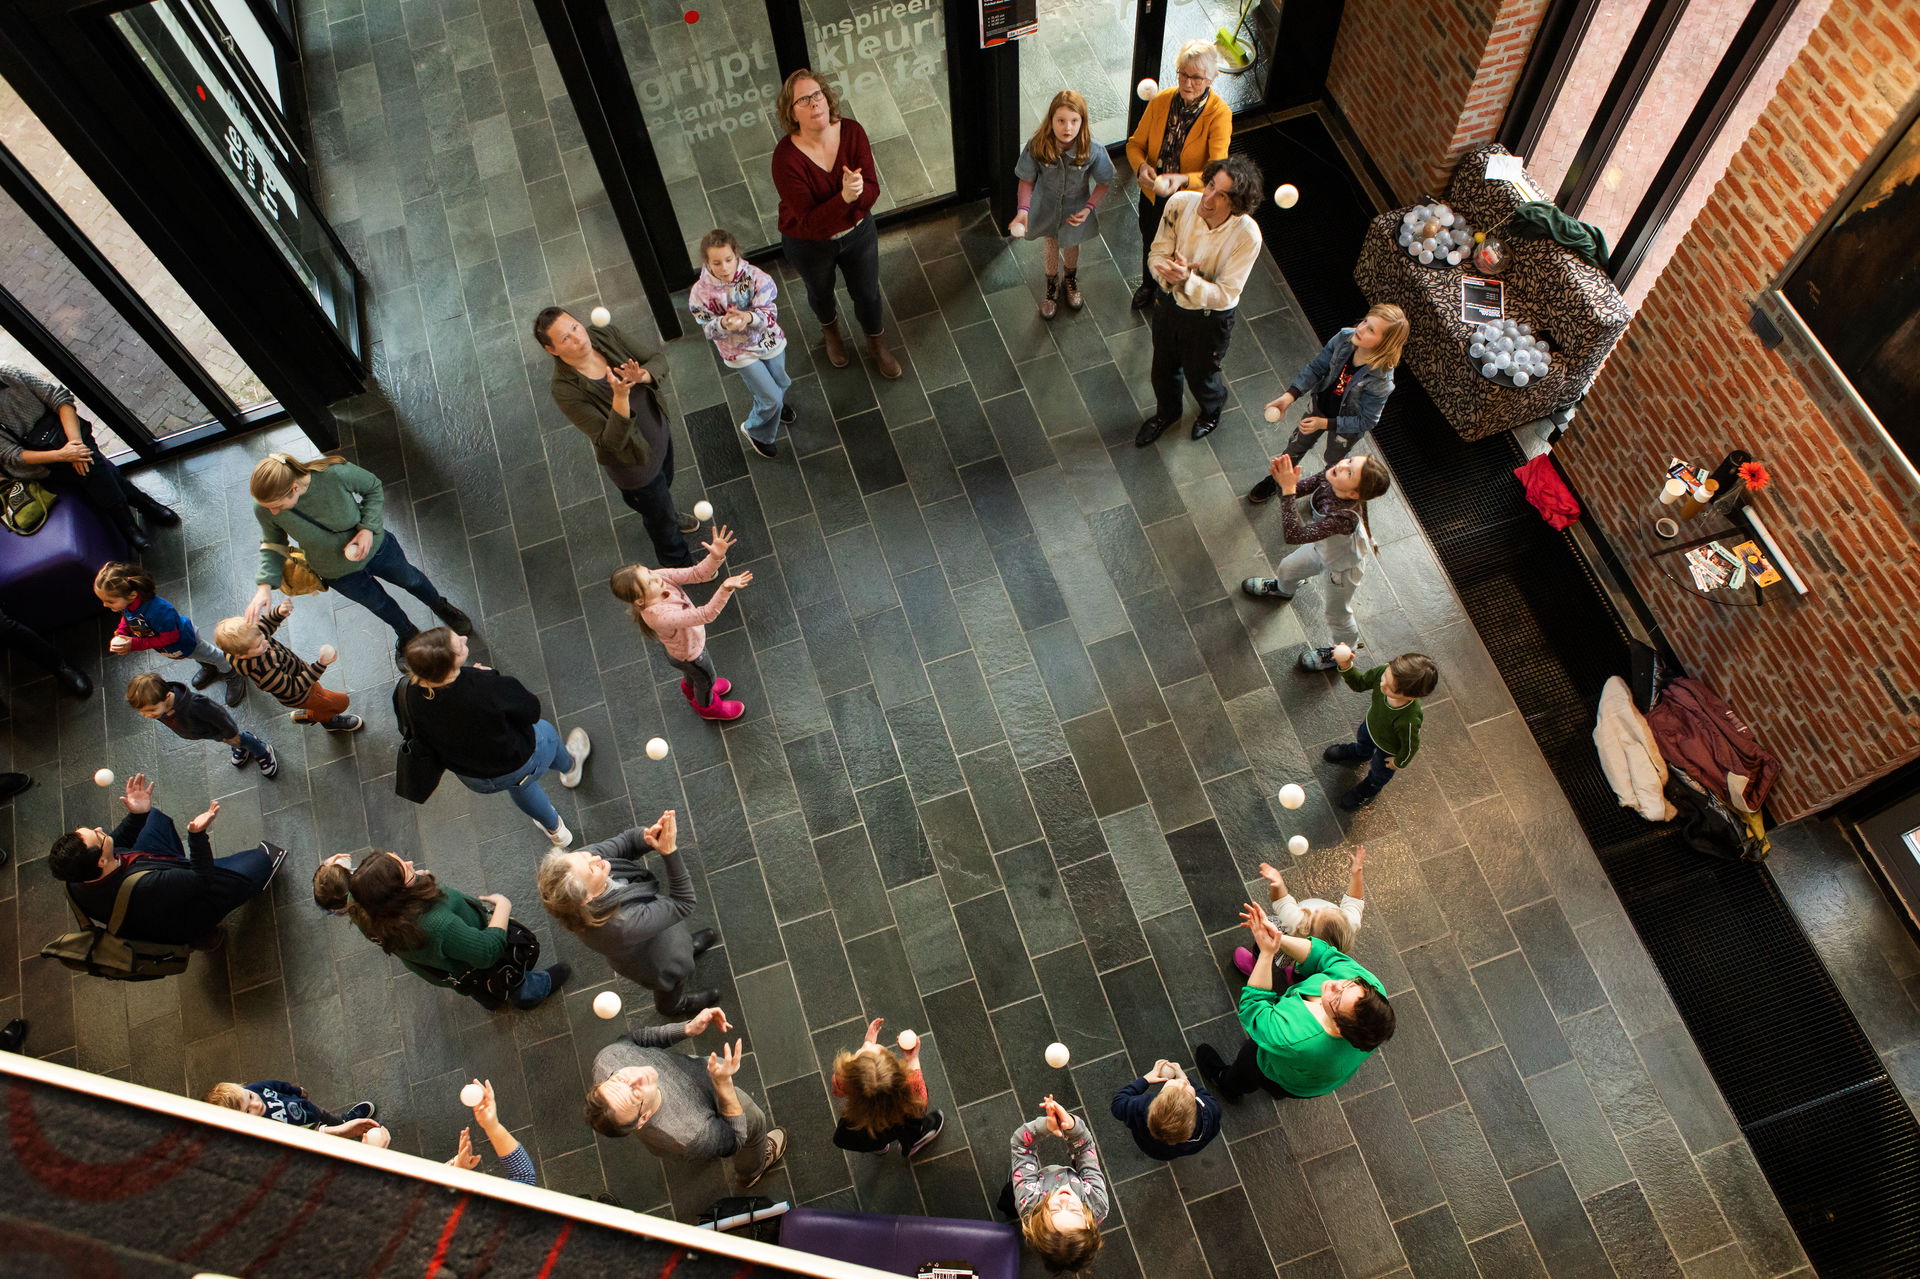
point(733, 301)
point(1060, 1209)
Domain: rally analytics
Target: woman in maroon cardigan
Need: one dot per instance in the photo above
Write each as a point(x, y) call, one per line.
point(823, 170)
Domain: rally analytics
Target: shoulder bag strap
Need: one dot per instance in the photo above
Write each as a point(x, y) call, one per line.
point(121, 900)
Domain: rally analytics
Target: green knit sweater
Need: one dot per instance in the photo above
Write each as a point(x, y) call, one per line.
point(458, 940)
point(338, 503)
point(1394, 729)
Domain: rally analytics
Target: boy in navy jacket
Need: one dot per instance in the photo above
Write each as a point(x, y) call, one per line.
point(1168, 1115)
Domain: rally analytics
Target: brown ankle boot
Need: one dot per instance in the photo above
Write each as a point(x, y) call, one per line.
point(882, 358)
point(836, 349)
point(1049, 306)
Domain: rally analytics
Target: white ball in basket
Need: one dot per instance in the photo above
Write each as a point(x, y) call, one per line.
point(703, 510)
point(1291, 796)
point(1297, 845)
point(606, 1005)
point(472, 1095)
point(1489, 369)
point(1057, 1055)
point(907, 1040)
point(1146, 88)
point(104, 777)
point(1286, 195)
point(1273, 414)
point(1521, 377)
point(600, 316)
point(656, 748)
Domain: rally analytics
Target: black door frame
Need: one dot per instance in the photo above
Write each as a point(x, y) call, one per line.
point(74, 71)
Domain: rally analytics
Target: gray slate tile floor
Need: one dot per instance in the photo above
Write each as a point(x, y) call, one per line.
point(1008, 767)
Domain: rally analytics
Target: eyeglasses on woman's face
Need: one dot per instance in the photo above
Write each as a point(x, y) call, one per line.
point(808, 99)
point(1188, 77)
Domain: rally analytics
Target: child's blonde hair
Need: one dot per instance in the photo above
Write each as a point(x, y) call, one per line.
point(1171, 1116)
point(1393, 335)
point(232, 1096)
point(146, 689)
point(1063, 1251)
point(236, 636)
point(629, 585)
point(274, 475)
point(878, 1089)
point(1331, 925)
point(1046, 147)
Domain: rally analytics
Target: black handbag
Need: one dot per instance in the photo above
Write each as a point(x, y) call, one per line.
point(416, 769)
point(496, 985)
point(46, 431)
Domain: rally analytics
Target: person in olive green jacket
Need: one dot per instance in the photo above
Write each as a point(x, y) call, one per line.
point(439, 935)
point(1310, 1039)
point(608, 385)
point(333, 511)
point(1389, 737)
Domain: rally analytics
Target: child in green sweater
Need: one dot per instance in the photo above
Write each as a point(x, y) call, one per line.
point(1389, 737)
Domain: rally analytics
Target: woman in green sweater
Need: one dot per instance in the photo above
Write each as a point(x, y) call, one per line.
point(1310, 1039)
point(464, 943)
point(333, 511)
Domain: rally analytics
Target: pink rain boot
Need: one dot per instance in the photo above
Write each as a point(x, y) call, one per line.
point(721, 687)
point(720, 709)
point(1243, 960)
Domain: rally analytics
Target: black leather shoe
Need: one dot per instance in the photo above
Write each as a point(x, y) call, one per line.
point(1143, 296)
point(152, 507)
point(1204, 426)
point(136, 539)
point(1150, 430)
point(447, 611)
point(14, 1037)
point(696, 1002)
point(72, 681)
point(1263, 491)
point(236, 688)
point(704, 940)
point(1213, 1069)
point(12, 784)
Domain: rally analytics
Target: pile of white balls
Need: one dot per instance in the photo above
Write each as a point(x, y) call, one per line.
point(1501, 346)
point(1433, 234)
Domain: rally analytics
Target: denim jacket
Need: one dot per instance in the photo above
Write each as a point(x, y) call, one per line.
point(1366, 393)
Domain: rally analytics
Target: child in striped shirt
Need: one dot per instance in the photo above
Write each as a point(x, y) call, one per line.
point(273, 667)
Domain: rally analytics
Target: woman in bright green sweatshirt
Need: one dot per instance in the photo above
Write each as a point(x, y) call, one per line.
point(1310, 1039)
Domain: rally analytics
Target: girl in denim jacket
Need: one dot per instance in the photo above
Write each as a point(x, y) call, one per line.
point(1350, 381)
point(733, 301)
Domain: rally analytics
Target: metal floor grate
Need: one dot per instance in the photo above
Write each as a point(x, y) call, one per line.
point(1833, 1136)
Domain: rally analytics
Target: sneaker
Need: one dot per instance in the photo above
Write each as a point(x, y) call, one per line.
point(559, 836)
point(1150, 430)
point(279, 857)
point(928, 1137)
point(344, 724)
point(270, 766)
point(579, 747)
point(1266, 588)
point(206, 675)
point(1144, 295)
point(1318, 659)
point(777, 1141)
point(764, 450)
point(359, 1110)
point(1213, 1070)
point(721, 709)
point(787, 415)
point(688, 524)
point(450, 613)
point(239, 756)
point(1263, 491)
point(721, 687)
point(1357, 798)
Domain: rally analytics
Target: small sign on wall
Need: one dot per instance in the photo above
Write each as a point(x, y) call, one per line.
point(1004, 20)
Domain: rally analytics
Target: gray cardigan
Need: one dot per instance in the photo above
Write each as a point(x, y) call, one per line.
point(688, 1124)
point(23, 398)
point(646, 938)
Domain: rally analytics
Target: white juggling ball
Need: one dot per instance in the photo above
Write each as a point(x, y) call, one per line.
point(1146, 88)
point(327, 653)
point(472, 1095)
point(907, 1040)
point(103, 778)
point(1291, 796)
point(1286, 195)
point(601, 317)
point(656, 748)
point(1342, 652)
point(1273, 414)
point(1297, 845)
point(1057, 1055)
point(703, 510)
point(606, 1005)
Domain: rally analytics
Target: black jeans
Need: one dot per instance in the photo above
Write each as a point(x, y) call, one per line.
point(23, 639)
point(857, 254)
point(1338, 446)
point(699, 677)
point(102, 487)
point(847, 1137)
point(1188, 346)
point(1243, 1074)
point(654, 501)
point(1149, 212)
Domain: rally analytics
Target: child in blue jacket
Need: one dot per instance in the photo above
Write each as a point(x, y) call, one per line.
point(287, 1103)
point(147, 621)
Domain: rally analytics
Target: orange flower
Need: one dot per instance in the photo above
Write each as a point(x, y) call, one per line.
point(1754, 476)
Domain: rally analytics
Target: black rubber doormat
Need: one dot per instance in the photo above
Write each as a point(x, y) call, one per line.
point(1830, 1130)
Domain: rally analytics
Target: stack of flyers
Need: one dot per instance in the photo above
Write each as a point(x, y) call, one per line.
point(1713, 566)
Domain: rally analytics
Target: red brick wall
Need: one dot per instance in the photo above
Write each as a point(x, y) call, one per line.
point(1830, 681)
point(1425, 81)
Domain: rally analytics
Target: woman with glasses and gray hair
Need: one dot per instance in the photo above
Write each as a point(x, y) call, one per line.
point(1184, 129)
point(824, 172)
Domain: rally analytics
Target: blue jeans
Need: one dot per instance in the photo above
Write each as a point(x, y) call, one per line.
point(254, 863)
point(252, 745)
point(534, 990)
point(768, 381)
point(1378, 774)
point(391, 563)
point(523, 783)
point(203, 653)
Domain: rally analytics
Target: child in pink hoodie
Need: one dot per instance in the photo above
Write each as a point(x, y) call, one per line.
point(663, 611)
point(733, 301)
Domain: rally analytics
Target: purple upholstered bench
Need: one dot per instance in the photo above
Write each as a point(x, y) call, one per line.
point(46, 580)
point(901, 1245)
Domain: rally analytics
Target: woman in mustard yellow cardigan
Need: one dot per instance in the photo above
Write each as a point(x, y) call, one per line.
point(1183, 130)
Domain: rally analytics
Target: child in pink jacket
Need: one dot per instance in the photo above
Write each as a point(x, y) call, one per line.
point(663, 611)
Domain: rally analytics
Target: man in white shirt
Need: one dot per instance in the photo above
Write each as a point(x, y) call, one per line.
point(1205, 248)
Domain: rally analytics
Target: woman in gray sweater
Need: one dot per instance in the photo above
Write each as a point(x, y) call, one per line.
point(611, 901)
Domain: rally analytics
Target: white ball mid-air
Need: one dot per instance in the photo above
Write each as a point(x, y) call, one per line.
point(656, 748)
point(606, 1005)
point(1286, 195)
point(703, 510)
point(103, 778)
point(907, 1040)
point(1057, 1055)
point(472, 1095)
point(1146, 88)
point(1291, 796)
point(601, 317)
point(1297, 845)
